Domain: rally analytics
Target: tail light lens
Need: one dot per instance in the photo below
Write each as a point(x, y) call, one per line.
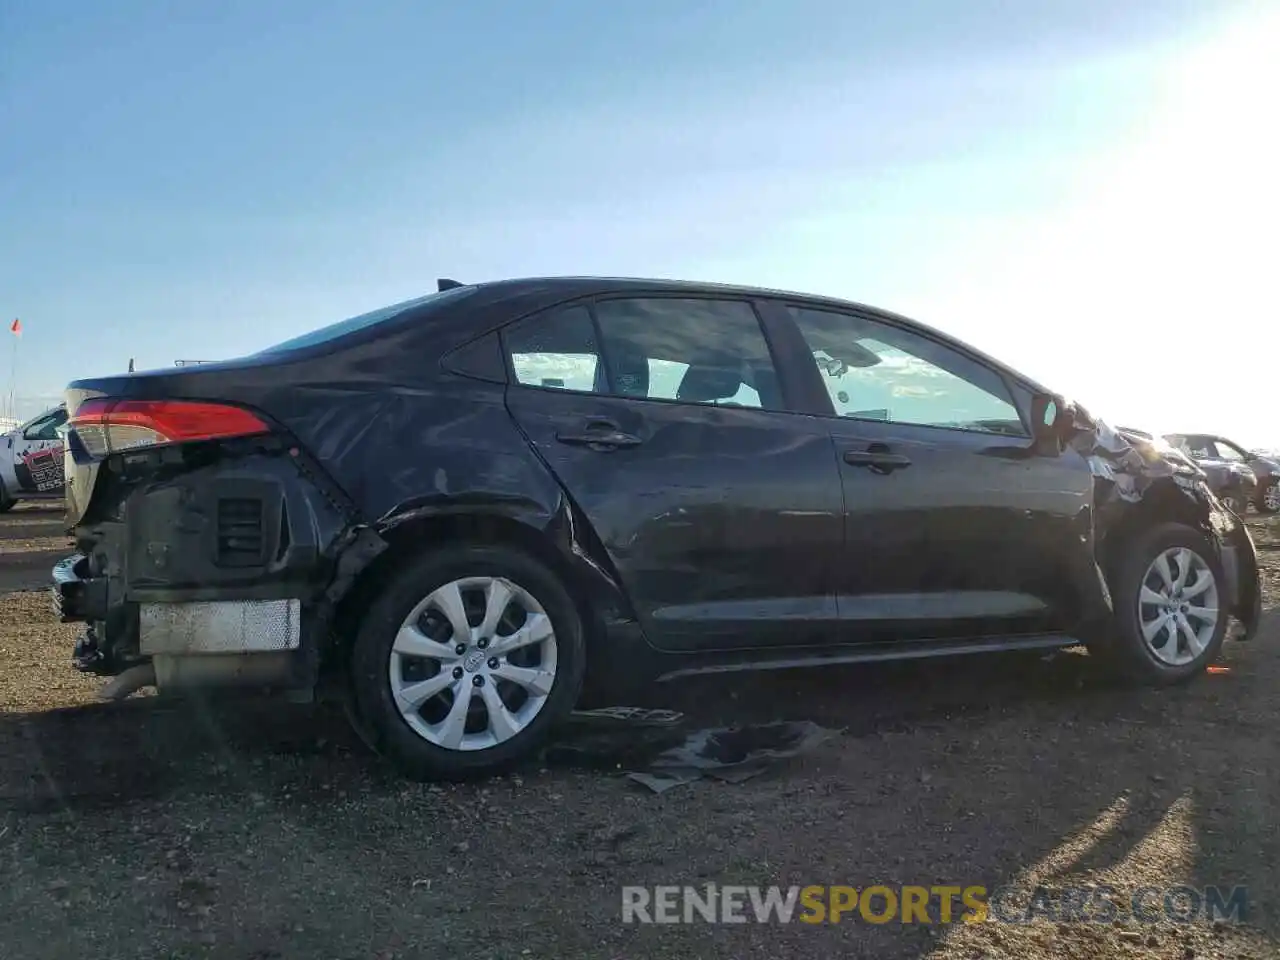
point(105, 426)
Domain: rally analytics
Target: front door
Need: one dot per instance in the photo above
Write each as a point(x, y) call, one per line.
point(665, 421)
point(954, 527)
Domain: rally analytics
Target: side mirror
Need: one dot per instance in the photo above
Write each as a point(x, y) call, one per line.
point(1048, 419)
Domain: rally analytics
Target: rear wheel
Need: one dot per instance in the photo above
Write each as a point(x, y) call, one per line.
point(7, 502)
point(1170, 606)
point(465, 662)
point(1269, 498)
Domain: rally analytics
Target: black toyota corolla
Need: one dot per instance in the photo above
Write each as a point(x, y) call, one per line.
point(482, 507)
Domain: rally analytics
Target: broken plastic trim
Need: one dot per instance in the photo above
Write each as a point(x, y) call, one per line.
point(657, 756)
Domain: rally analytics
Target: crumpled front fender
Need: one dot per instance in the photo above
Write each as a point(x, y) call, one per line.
point(1138, 482)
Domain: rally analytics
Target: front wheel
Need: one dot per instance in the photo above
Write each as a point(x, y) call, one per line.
point(7, 502)
point(465, 662)
point(1171, 606)
point(1269, 499)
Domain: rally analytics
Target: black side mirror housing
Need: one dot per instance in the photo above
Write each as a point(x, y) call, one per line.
point(1049, 419)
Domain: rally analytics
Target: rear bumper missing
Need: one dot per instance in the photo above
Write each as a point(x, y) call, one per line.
point(222, 570)
point(195, 627)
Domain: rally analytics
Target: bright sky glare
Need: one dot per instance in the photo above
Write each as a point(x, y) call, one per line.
point(1084, 189)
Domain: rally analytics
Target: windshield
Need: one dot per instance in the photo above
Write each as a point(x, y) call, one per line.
point(343, 327)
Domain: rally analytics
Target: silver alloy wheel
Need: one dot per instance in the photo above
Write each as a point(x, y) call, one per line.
point(473, 663)
point(1178, 606)
point(1271, 498)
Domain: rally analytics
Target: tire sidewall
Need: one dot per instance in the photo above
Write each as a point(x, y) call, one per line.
point(371, 687)
point(1131, 646)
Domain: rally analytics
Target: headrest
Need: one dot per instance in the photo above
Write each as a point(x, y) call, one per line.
point(705, 384)
point(630, 371)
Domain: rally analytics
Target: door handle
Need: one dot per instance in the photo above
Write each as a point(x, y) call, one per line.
point(600, 435)
point(878, 461)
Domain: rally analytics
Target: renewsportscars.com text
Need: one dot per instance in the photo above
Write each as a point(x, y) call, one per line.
point(935, 904)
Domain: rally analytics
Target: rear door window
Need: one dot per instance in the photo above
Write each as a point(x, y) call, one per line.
point(688, 350)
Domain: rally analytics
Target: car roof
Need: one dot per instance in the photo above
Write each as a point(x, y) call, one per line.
point(568, 287)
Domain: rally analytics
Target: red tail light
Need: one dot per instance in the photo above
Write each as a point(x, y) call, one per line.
point(105, 425)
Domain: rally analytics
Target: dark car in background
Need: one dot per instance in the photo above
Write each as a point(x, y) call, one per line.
point(1244, 476)
point(479, 508)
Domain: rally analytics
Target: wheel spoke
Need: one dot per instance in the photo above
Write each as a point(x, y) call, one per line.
point(502, 723)
point(1162, 567)
point(454, 725)
point(1207, 614)
point(1194, 645)
point(411, 697)
point(1202, 583)
point(1151, 628)
point(448, 600)
point(536, 629)
point(496, 600)
point(533, 679)
point(412, 642)
point(1183, 557)
point(1150, 596)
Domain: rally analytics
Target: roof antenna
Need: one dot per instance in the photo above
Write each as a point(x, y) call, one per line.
point(444, 284)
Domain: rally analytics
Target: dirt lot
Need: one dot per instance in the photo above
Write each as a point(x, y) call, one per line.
point(154, 829)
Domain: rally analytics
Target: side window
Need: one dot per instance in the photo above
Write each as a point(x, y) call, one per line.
point(556, 350)
point(1201, 448)
point(1228, 452)
point(46, 428)
point(690, 350)
point(876, 371)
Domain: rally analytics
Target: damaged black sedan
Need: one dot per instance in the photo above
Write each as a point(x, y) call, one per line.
point(480, 508)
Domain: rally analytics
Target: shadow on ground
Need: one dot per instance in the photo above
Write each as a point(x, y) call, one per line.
point(1005, 770)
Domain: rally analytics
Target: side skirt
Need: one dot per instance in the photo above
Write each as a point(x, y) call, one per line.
point(876, 653)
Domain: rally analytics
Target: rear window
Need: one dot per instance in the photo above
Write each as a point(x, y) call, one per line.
point(365, 320)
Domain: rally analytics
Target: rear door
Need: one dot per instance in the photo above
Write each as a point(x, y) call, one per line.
point(667, 421)
point(954, 528)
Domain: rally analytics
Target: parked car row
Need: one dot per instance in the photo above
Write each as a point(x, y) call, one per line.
point(1241, 478)
point(479, 508)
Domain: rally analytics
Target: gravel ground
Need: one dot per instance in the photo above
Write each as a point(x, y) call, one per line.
point(258, 830)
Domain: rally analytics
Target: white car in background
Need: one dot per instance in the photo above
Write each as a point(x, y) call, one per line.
point(31, 460)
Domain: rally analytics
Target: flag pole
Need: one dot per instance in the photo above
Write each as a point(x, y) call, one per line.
point(16, 329)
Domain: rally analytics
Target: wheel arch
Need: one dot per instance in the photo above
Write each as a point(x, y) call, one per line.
point(563, 542)
point(1163, 503)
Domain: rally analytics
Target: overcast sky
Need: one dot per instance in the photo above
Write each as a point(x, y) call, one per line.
point(1087, 189)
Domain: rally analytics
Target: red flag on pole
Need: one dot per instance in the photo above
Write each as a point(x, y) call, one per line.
point(16, 327)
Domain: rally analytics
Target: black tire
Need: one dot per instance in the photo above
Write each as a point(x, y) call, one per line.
point(389, 733)
point(1124, 647)
point(1260, 504)
point(7, 502)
